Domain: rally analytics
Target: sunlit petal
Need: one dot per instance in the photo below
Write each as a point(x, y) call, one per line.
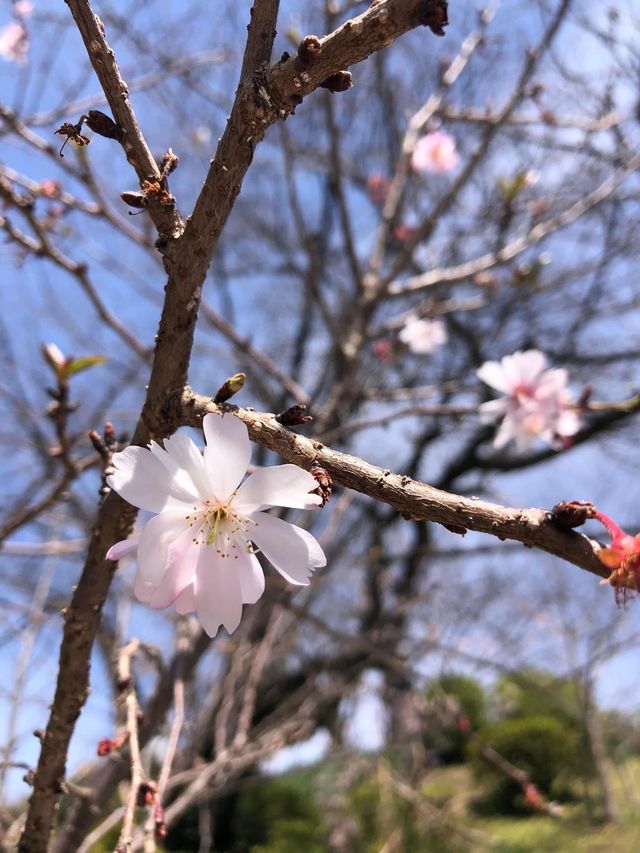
point(281, 485)
point(227, 454)
point(217, 592)
point(142, 480)
point(186, 601)
point(123, 548)
point(164, 540)
point(180, 571)
point(251, 577)
point(190, 460)
point(290, 549)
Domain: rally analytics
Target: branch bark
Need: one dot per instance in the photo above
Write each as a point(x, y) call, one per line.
point(416, 500)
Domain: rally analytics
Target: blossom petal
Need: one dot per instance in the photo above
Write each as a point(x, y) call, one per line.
point(512, 429)
point(523, 368)
point(158, 535)
point(142, 480)
point(281, 485)
point(123, 548)
point(217, 592)
point(185, 461)
point(290, 549)
point(492, 374)
point(186, 601)
point(227, 454)
point(251, 578)
point(423, 336)
point(493, 409)
point(181, 564)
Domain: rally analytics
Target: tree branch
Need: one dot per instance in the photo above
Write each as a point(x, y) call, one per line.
point(416, 500)
point(166, 219)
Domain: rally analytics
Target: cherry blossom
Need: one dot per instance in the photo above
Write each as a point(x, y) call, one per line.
point(622, 557)
point(14, 42)
point(50, 188)
point(197, 552)
point(423, 336)
point(537, 403)
point(435, 152)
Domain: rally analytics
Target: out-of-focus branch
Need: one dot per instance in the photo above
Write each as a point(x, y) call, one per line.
point(29, 512)
point(260, 358)
point(465, 114)
point(125, 679)
point(43, 247)
point(507, 253)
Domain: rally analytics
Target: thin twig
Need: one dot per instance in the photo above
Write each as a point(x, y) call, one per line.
point(125, 678)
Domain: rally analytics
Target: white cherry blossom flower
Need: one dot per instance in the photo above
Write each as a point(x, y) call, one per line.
point(196, 552)
point(537, 402)
point(423, 336)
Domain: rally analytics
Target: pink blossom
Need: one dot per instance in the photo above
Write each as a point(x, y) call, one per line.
point(423, 336)
point(50, 188)
point(435, 152)
point(197, 552)
point(22, 8)
point(622, 557)
point(537, 402)
point(14, 42)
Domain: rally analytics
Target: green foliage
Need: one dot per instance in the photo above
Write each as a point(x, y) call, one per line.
point(531, 692)
point(84, 363)
point(276, 816)
point(621, 733)
point(266, 815)
point(545, 748)
point(379, 813)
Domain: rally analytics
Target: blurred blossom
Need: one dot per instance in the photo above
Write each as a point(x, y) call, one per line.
point(201, 135)
point(22, 8)
point(435, 152)
point(423, 336)
point(378, 188)
point(537, 403)
point(50, 188)
point(403, 233)
point(622, 557)
point(14, 42)
point(383, 349)
point(197, 552)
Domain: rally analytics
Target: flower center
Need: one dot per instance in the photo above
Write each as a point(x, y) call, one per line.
point(217, 524)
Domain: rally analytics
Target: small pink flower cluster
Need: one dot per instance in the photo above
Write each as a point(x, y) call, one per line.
point(536, 401)
point(14, 38)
